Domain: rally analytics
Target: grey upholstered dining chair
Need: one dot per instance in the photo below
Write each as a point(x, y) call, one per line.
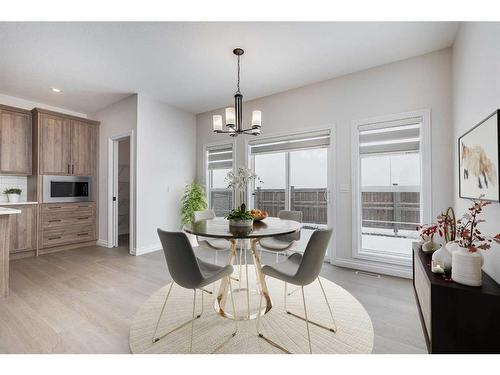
point(189, 272)
point(284, 242)
point(302, 270)
point(217, 244)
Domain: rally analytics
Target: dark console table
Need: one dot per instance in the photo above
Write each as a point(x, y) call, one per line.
point(456, 318)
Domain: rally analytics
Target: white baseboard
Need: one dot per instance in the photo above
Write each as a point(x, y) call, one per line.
point(146, 249)
point(103, 243)
point(385, 269)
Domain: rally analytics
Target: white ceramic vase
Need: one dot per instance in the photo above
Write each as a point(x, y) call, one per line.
point(430, 246)
point(442, 258)
point(466, 267)
point(13, 198)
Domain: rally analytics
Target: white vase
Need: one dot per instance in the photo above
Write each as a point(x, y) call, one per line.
point(13, 198)
point(430, 246)
point(466, 267)
point(441, 259)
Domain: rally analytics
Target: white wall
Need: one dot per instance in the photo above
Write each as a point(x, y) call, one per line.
point(476, 94)
point(423, 82)
point(116, 119)
point(166, 162)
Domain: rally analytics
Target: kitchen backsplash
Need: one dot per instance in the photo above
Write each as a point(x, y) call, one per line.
point(7, 182)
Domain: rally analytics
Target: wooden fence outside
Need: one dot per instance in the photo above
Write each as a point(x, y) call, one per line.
point(383, 210)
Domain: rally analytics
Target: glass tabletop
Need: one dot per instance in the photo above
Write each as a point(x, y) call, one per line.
point(219, 228)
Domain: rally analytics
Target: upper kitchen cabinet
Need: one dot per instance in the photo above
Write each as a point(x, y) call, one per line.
point(55, 145)
point(83, 148)
point(15, 141)
point(68, 145)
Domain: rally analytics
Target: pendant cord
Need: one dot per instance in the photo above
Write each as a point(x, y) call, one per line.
point(238, 91)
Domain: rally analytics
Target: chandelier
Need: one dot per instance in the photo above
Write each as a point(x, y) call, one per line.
point(234, 114)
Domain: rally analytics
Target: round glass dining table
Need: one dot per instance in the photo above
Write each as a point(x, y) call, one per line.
point(219, 228)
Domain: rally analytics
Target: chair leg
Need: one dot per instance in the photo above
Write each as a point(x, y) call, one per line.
point(285, 293)
point(328, 304)
point(156, 339)
point(161, 313)
point(192, 322)
point(307, 320)
point(260, 335)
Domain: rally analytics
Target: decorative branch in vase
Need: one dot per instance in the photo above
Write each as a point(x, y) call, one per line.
point(468, 260)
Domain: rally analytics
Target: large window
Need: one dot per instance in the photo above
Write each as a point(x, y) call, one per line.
point(219, 162)
point(387, 187)
point(294, 174)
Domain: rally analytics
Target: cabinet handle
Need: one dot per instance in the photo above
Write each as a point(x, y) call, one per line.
point(83, 234)
point(55, 221)
point(72, 169)
point(54, 238)
point(53, 207)
point(82, 218)
point(68, 169)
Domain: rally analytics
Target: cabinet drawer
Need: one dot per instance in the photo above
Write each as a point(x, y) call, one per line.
point(69, 209)
point(73, 234)
point(55, 221)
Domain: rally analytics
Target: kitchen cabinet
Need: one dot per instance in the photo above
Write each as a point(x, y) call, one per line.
point(83, 148)
point(68, 145)
point(67, 223)
point(23, 228)
point(15, 141)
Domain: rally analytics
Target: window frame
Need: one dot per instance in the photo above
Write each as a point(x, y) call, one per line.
point(331, 178)
point(206, 173)
point(358, 252)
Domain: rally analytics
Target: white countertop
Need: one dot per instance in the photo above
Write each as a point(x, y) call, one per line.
point(16, 204)
point(9, 211)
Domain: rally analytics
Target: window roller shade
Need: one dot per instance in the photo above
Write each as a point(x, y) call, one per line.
point(391, 136)
point(220, 157)
point(299, 142)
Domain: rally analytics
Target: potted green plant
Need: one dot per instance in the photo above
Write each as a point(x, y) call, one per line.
point(240, 217)
point(13, 194)
point(194, 199)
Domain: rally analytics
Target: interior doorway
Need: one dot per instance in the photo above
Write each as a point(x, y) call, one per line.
point(120, 191)
point(123, 190)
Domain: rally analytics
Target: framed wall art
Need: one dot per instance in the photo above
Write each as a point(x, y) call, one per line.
point(479, 160)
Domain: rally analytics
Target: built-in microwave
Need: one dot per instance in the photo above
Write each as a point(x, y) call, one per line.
point(67, 189)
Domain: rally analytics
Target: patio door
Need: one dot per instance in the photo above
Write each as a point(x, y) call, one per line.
point(294, 176)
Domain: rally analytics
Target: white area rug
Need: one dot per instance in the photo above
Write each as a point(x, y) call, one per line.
point(212, 333)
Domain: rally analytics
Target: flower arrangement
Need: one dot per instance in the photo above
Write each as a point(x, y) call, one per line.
point(238, 181)
point(469, 236)
point(427, 231)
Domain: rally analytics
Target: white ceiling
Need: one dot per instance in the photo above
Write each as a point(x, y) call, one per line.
point(191, 65)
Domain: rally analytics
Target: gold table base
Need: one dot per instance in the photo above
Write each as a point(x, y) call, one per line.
point(223, 293)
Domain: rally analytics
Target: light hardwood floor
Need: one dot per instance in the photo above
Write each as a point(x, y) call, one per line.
point(83, 301)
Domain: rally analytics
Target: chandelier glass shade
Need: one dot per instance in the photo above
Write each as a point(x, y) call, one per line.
point(234, 115)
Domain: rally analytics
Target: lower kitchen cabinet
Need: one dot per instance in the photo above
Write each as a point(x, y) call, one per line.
point(23, 231)
point(67, 224)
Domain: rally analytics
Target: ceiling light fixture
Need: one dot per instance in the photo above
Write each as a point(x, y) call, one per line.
point(55, 89)
point(234, 115)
